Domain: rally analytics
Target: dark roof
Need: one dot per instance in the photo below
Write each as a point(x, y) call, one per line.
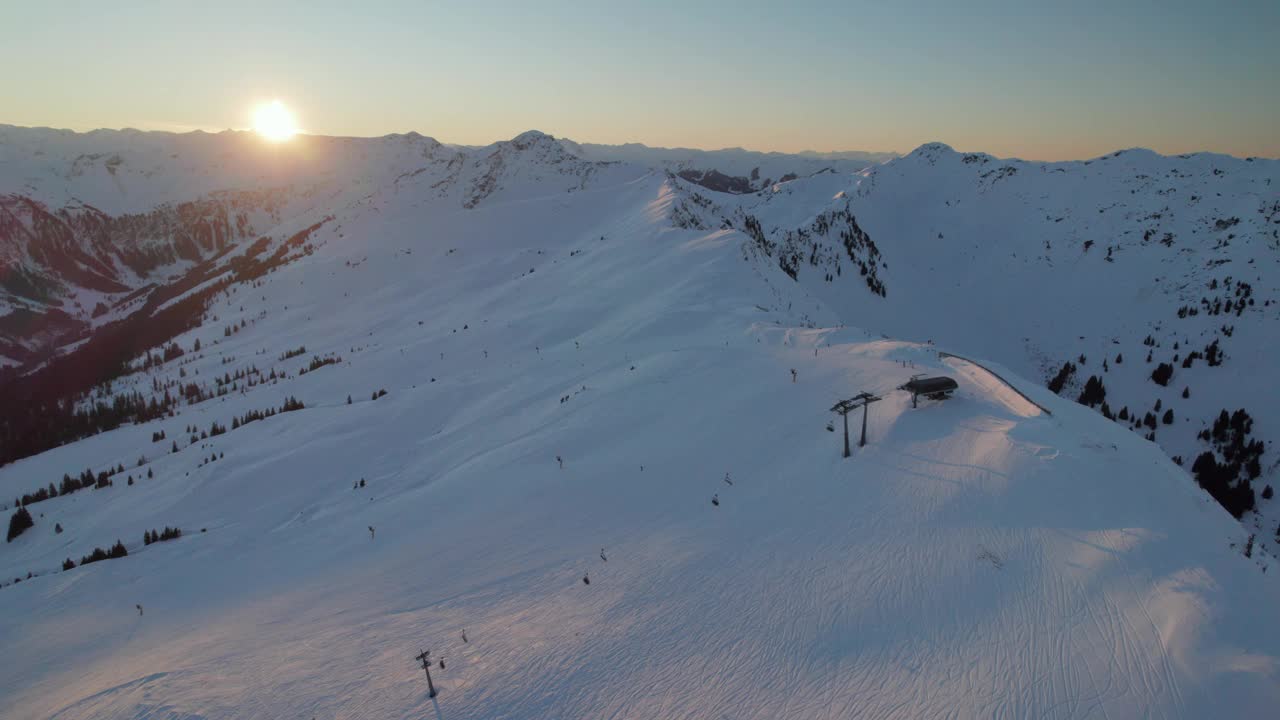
point(928, 385)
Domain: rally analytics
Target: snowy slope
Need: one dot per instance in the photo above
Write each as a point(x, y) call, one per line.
point(1133, 259)
point(83, 232)
point(977, 558)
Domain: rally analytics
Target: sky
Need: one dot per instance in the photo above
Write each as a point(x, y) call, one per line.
point(1044, 81)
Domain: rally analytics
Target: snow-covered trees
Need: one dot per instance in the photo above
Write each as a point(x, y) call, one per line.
point(1219, 480)
point(18, 523)
point(1162, 374)
point(151, 536)
point(117, 551)
point(1060, 380)
point(1228, 481)
point(1094, 392)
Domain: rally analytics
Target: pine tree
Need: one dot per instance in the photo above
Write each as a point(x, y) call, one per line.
point(67, 564)
point(1094, 392)
point(1060, 380)
point(1162, 374)
point(97, 555)
point(18, 523)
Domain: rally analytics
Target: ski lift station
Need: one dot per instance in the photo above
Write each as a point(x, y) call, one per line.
point(934, 388)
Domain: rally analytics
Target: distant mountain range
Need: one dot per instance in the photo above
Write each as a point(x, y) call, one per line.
point(732, 169)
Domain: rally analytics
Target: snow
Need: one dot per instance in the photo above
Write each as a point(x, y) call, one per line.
point(976, 558)
point(992, 385)
point(1007, 261)
point(128, 171)
point(730, 161)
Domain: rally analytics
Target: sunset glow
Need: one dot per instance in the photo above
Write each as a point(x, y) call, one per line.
point(274, 122)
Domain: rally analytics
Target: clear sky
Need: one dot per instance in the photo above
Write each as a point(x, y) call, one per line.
point(1039, 80)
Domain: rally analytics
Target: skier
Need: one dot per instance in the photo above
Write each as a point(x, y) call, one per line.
point(585, 580)
point(561, 461)
point(602, 557)
point(793, 374)
point(715, 500)
point(371, 533)
point(727, 480)
point(139, 610)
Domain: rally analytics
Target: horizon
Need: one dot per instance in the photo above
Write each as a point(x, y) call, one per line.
point(896, 153)
point(1009, 79)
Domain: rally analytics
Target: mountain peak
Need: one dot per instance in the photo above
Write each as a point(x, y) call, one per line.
point(932, 150)
point(529, 138)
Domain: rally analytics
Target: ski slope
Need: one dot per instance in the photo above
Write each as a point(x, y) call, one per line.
point(1116, 265)
point(977, 558)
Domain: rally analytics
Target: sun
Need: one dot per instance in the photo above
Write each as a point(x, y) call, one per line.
point(274, 122)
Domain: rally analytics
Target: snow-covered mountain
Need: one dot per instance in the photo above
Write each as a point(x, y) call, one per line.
point(1148, 281)
point(90, 221)
point(732, 170)
point(564, 423)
